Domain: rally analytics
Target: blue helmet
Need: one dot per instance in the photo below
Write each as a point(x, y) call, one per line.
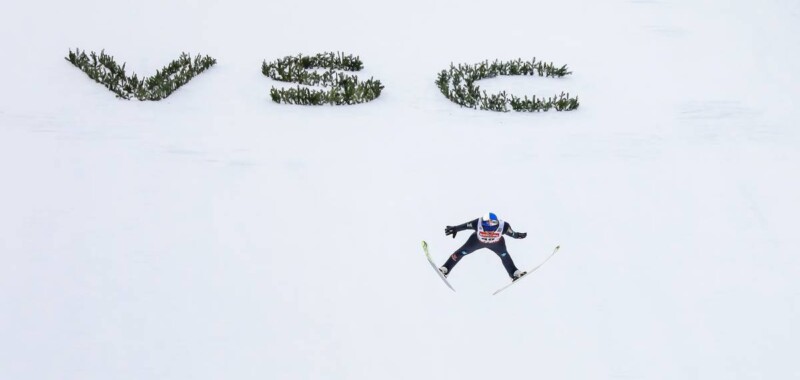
point(489, 222)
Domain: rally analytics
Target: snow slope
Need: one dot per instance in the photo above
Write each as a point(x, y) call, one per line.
point(217, 235)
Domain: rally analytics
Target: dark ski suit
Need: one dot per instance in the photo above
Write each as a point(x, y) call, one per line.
point(473, 244)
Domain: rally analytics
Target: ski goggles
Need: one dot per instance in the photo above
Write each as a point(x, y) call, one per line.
point(490, 222)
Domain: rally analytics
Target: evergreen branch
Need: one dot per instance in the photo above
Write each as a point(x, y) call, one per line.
point(105, 70)
point(321, 70)
point(458, 84)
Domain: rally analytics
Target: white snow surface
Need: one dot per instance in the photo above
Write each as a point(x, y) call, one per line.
point(218, 235)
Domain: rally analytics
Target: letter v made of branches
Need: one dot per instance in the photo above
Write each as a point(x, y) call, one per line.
point(104, 70)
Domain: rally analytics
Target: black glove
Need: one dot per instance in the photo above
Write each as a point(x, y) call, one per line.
point(520, 235)
point(450, 230)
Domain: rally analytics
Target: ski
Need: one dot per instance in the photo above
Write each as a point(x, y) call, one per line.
point(528, 273)
point(433, 265)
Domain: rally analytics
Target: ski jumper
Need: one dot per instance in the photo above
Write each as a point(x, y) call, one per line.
point(484, 238)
